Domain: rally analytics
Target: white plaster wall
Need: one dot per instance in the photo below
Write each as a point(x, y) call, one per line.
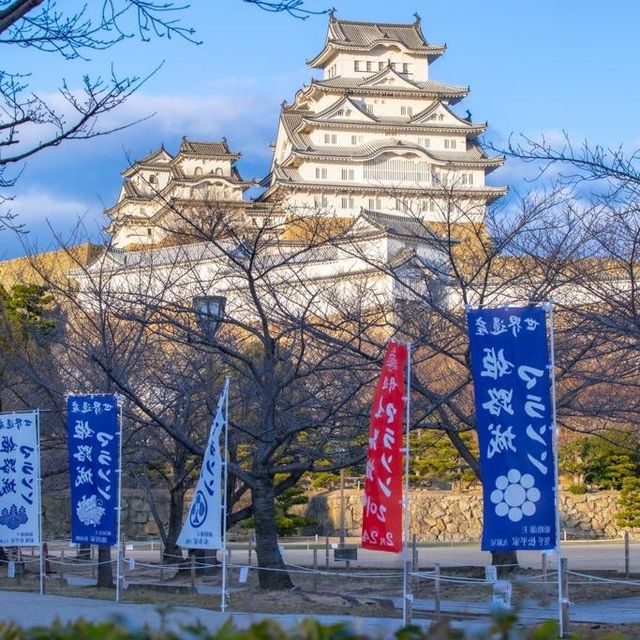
point(188, 165)
point(345, 62)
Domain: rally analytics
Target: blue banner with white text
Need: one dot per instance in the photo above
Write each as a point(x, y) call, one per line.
point(19, 480)
point(512, 386)
point(92, 424)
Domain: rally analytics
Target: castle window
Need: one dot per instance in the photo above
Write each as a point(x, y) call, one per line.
point(153, 179)
point(356, 139)
point(375, 203)
point(397, 169)
point(380, 66)
point(218, 171)
point(424, 142)
point(406, 110)
point(467, 178)
point(449, 144)
point(402, 205)
point(348, 174)
point(429, 205)
point(405, 68)
point(198, 171)
point(148, 231)
point(347, 202)
point(356, 65)
point(369, 65)
point(321, 173)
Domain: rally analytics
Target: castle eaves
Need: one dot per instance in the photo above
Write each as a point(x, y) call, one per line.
point(354, 35)
point(430, 88)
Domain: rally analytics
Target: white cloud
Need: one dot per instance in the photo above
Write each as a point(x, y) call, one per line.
point(238, 110)
point(38, 206)
point(49, 219)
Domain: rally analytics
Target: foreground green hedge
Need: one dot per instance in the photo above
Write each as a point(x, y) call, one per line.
point(502, 629)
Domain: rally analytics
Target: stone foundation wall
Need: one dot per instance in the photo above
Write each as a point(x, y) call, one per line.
point(441, 516)
point(436, 515)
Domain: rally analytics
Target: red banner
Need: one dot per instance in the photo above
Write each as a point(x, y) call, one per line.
point(382, 511)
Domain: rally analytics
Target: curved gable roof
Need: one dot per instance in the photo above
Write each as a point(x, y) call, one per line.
point(349, 34)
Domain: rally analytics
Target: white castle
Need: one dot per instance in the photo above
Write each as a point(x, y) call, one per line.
point(374, 138)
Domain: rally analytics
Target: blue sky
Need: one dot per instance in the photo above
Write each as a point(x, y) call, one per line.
point(533, 68)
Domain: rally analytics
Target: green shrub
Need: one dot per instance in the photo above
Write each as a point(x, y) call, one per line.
point(577, 489)
point(629, 503)
point(503, 626)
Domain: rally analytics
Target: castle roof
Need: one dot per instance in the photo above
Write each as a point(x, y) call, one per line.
point(473, 156)
point(403, 86)
point(157, 159)
point(290, 177)
point(209, 149)
point(353, 35)
point(400, 225)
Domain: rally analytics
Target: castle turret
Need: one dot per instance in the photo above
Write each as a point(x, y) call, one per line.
point(375, 133)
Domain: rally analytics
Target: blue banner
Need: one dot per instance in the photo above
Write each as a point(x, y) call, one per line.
point(19, 480)
point(512, 384)
point(92, 424)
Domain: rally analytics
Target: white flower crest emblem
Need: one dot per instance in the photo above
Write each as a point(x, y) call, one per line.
point(515, 495)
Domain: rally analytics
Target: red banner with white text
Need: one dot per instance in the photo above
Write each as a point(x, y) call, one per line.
point(382, 511)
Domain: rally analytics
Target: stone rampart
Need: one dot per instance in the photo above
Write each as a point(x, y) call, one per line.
point(446, 516)
point(436, 515)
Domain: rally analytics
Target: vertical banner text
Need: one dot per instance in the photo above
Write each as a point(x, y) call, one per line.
point(203, 527)
point(92, 425)
point(19, 480)
point(382, 511)
point(512, 384)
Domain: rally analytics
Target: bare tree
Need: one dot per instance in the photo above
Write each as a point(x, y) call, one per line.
point(131, 316)
point(294, 8)
point(30, 123)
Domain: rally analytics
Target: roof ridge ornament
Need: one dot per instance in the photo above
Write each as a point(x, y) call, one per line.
point(332, 14)
point(416, 15)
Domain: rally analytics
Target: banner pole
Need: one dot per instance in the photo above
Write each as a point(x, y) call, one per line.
point(405, 501)
point(552, 366)
point(40, 515)
point(223, 595)
point(119, 552)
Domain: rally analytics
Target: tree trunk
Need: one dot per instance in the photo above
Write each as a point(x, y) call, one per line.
point(172, 553)
point(506, 561)
point(105, 571)
point(271, 572)
point(83, 552)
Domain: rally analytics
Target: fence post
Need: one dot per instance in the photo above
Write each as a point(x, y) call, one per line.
point(408, 596)
point(193, 573)
point(626, 554)
point(326, 549)
point(415, 564)
point(545, 588)
point(315, 569)
point(437, 590)
point(62, 566)
point(564, 599)
point(250, 550)
point(123, 574)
